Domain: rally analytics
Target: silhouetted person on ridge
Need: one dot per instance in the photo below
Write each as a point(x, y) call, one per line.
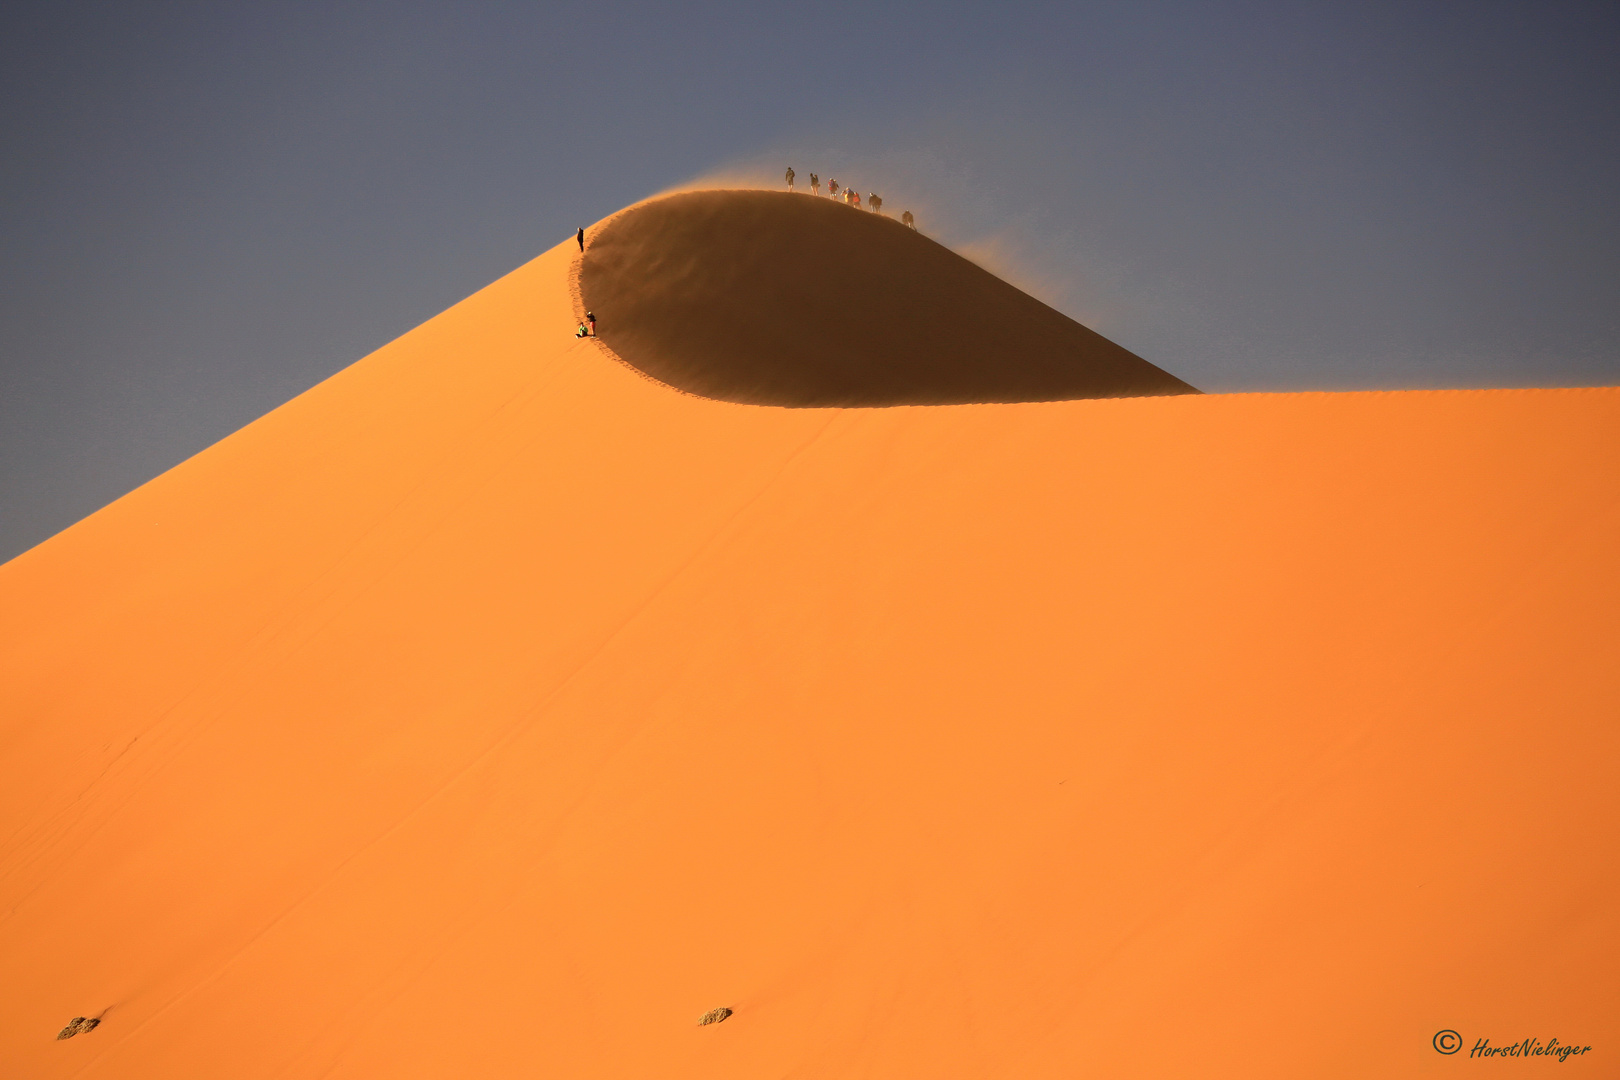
point(907, 220)
point(815, 184)
point(832, 187)
point(877, 202)
point(580, 236)
point(790, 177)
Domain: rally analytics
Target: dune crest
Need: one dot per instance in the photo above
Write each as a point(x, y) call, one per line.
point(769, 298)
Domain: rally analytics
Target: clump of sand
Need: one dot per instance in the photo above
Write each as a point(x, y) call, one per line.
point(78, 1026)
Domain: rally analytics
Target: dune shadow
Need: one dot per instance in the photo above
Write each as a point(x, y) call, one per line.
point(769, 298)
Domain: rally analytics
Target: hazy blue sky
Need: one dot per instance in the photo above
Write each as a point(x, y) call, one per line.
point(207, 208)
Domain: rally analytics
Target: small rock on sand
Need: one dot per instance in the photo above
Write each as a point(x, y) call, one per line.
point(713, 1016)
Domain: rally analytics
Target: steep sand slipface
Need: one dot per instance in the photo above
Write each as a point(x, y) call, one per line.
point(492, 711)
point(768, 298)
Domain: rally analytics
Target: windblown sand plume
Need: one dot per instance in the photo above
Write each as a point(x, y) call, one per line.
point(506, 700)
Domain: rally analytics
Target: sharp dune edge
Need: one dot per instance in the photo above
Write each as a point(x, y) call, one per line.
point(491, 710)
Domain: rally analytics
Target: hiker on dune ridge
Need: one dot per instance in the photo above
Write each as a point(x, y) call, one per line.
point(815, 184)
point(790, 177)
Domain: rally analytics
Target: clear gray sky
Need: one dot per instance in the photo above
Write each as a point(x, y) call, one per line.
point(208, 208)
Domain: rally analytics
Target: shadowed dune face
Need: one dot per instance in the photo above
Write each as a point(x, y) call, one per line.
point(767, 298)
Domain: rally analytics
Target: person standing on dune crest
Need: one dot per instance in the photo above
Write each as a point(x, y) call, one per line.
point(876, 202)
point(815, 184)
point(790, 177)
point(832, 186)
point(580, 236)
point(907, 220)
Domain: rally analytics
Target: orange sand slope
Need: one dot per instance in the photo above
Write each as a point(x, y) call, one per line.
point(493, 711)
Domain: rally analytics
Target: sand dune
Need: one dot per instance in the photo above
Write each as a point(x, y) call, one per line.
point(768, 298)
point(490, 710)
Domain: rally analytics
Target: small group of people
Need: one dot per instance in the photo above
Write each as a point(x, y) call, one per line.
point(849, 195)
point(588, 327)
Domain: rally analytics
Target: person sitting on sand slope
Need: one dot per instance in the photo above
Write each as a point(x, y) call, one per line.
point(583, 331)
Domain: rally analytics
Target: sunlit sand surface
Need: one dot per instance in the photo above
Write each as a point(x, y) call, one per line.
point(495, 710)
